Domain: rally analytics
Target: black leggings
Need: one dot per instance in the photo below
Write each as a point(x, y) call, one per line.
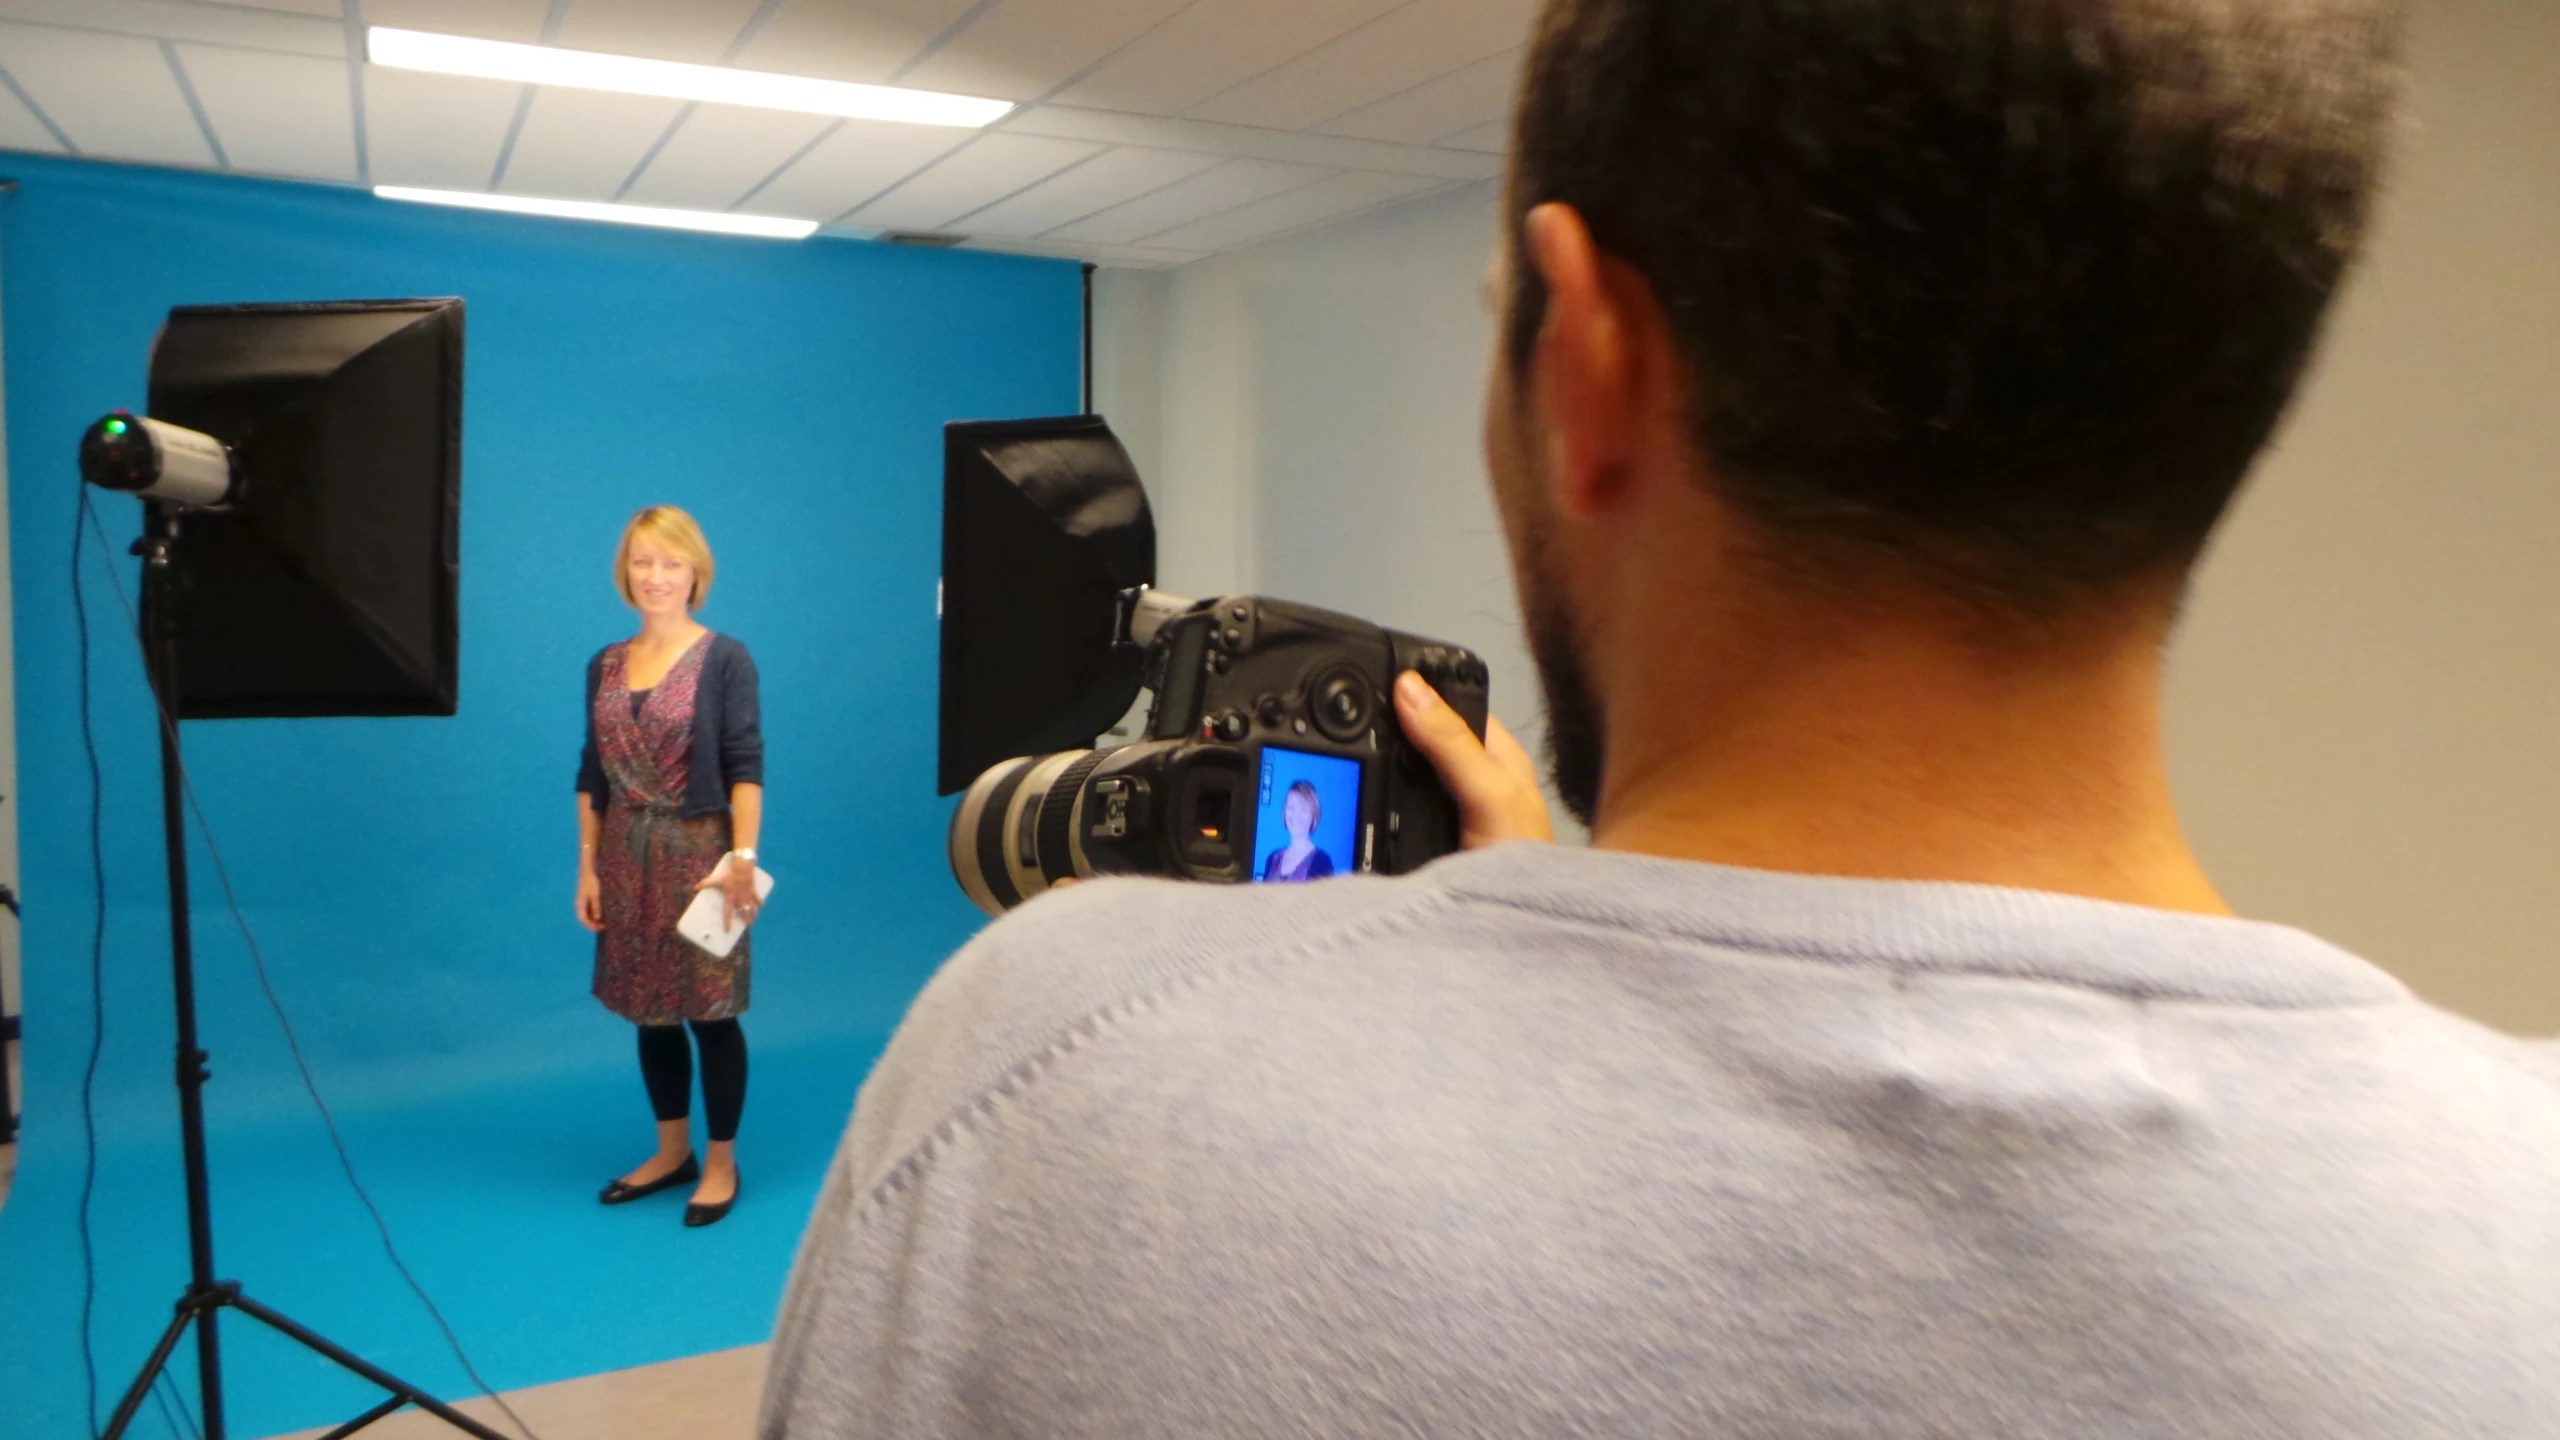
point(666, 1065)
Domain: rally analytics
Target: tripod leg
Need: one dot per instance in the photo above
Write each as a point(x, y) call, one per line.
point(357, 1363)
point(151, 1369)
point(377, 1412)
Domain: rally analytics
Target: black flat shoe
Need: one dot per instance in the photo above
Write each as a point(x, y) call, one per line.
point(619, 1193)
point(697, 1216)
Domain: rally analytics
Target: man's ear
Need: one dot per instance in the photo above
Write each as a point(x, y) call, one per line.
point(1583, 370)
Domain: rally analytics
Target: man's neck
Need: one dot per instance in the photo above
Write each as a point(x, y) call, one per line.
point(1901, 754)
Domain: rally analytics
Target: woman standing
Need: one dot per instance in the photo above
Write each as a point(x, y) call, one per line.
point(672, 780)
point(1301, 811)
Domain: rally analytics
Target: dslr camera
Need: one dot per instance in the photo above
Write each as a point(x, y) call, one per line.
point(1269, 752)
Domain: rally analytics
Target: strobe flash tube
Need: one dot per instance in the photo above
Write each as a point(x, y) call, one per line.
point(157, 461)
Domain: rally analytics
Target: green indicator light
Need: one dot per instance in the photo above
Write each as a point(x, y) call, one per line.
point(115, 427)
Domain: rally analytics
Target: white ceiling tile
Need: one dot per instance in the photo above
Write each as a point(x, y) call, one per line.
point(1464, 98)
point(112, 94)
point(970, 179)
point(1421, 41)
point(276, 114)
point(1238, 182)
point(332, 9)
point(719, 153)
point(583, 144)
point(1100, 183)
point(1333, 152)
point(1326, 199)
point(1022, 49)
point(21, 130)
point(857, 161)
point(251, 29)
point(517, 20)
point(1213, 46)
point(698, 32)
point(1492, 139)
point(859, 40)
point(439, 131)
point(1124, 257)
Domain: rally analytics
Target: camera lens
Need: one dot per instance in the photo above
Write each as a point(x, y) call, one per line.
point(1342, 705)
point(1012, 838)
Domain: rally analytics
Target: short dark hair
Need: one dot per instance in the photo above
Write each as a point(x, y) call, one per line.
point(2004, 294)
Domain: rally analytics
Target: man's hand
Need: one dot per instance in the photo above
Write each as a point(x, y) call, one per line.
point(1493, 780)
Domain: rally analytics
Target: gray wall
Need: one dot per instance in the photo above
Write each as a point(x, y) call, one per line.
point(2362, 697)
point(1313, 403)
point(2365, 697)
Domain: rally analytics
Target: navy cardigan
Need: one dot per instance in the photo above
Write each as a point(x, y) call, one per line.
point(728, 732)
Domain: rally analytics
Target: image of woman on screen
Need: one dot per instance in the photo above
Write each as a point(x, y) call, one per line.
point(672, 783)
point(1300, 859)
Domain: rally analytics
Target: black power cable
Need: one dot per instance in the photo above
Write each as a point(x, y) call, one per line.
point(97, 983)
point(173, 1408)
point(258, 962)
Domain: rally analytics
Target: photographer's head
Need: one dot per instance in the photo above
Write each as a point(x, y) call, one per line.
point(1932, 335)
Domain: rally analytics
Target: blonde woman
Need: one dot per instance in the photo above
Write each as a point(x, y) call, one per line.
point(672, 780)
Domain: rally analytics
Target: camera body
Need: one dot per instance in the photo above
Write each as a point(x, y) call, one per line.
point(1271, 752)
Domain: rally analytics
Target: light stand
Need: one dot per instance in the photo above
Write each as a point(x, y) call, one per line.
point(205, 1297)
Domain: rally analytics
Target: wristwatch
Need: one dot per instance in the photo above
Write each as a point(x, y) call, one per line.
point(745, 857)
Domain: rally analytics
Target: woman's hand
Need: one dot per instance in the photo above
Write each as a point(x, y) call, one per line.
point(1493, 780)
point(737, 886)
point(590, 900)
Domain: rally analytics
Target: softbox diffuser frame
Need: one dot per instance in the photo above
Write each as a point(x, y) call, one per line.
point(1044, 526)
point(329, 585)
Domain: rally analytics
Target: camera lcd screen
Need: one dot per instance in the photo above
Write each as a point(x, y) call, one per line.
point(1306, 815)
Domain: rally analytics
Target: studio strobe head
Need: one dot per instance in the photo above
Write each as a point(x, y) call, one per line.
point(157, 461)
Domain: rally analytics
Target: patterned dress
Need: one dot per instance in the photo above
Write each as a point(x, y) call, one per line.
point(649, 857)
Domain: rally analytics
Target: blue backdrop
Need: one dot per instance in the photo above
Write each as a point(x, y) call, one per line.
point(410, 881)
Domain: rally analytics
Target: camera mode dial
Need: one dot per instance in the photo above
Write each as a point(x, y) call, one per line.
point(1342, 704)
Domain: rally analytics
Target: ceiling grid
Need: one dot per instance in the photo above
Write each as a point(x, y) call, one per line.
point(195, 106)
point(1146, 132)
point(524, 104)
point(932, 49)
point(354, 23)
point(23, 123)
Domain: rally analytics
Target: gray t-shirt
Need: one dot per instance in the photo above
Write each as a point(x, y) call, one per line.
point(1548, 1141)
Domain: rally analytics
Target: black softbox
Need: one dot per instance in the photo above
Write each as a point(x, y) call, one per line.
point(328, 586)
point(1044, 524)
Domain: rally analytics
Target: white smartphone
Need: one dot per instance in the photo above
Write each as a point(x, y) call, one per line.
point(707, 921)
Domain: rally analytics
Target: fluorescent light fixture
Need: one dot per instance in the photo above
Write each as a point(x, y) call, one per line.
point(587, 70)
point(720, 222)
